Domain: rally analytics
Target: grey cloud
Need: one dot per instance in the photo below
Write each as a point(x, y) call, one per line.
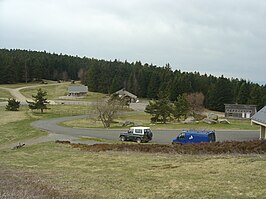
point(210, 36)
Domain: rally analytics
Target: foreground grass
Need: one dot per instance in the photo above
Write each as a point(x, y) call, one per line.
point(141, 175)
point(144, 119)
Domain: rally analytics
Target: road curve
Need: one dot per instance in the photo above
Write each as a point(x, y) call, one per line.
point(160, 136)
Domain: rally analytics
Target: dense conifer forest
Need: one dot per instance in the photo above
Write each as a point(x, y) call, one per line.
point(144, 80)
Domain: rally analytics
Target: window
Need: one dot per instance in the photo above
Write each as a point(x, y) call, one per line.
point(182, 136)
point(139, 131)
point(130, 131)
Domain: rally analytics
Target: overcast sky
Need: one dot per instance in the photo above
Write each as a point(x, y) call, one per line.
point(209, 36)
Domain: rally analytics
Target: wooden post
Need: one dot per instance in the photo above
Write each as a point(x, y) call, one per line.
point(262, 132)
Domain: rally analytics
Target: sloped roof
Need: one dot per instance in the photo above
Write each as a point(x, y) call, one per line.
point(77, 89)
point(260, 116)
point(124, 92)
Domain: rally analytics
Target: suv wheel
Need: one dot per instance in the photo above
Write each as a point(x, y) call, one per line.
point(138, 140)
point(122, 138)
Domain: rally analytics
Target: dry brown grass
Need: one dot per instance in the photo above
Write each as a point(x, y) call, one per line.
point(12, 116)
point(232, 147)
point(22, 184)
point(127, 174)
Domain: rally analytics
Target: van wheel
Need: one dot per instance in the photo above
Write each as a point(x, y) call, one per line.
point(122, 138)
point(138, 140)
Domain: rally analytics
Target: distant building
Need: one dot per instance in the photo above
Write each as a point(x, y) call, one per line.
point(260, 119)
point(77, 91)
point(124, 94)
point(240, 111)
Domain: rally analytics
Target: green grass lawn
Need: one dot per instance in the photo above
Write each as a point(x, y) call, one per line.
point(144, 119)
point(15, 125)
point(141, 175)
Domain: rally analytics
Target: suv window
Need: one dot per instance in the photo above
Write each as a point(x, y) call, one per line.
point(139, 131)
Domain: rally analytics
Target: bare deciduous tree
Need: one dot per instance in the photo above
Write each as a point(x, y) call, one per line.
point(195, 101)
point(107, 110)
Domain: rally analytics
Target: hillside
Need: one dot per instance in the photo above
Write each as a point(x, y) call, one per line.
point(144, 80)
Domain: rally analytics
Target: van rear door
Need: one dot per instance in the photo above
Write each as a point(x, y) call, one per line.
point(211, 137)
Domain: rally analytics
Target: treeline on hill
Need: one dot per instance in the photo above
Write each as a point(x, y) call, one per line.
point(144, 80)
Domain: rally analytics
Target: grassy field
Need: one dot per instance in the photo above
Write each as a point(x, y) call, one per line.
point(144, 119)
point(140, 175)
point(54, 92)
point(15, 125)
point(5, 94)
point(59, 171)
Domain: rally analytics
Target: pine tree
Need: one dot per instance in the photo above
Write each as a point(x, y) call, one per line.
point(39, 101)
point(160, 109)
point(181, 107)
point(13, 105)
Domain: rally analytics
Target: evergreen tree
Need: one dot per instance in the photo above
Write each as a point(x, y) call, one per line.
point(223, 94)
point(181, 107)
point(13, 105)
point(39, 101)
point(160, 109)
point(243, 95)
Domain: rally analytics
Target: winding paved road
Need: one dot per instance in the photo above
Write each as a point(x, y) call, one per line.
point(160, 136)
point(57, 132)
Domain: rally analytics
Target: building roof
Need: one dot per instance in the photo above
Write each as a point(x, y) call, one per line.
point(78, 89)
point(260, 116)
point(124, 92)
point(240, 106)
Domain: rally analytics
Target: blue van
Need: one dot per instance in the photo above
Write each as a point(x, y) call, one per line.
point(193, 136)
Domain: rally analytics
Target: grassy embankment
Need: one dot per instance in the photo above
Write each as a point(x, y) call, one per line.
point(59, 170)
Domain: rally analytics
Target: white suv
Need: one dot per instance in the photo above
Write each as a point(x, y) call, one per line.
point(138, 134)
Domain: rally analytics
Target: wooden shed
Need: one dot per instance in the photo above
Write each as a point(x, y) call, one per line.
point(77, 91)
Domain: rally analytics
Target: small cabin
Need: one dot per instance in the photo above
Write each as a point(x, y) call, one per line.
point(240, 111)
point(77, 91)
